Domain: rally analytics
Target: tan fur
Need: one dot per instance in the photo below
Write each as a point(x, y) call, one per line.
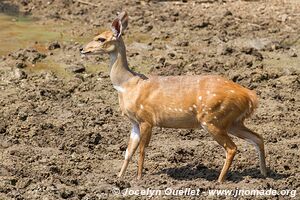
point(211, 102)
point(165, 102)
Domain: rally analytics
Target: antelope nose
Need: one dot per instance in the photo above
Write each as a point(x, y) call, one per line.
point(81, 49)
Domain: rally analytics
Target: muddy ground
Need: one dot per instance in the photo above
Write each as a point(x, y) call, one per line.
point(63, 137)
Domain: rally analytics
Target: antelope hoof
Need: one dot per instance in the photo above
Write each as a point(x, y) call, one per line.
point(220, 180)
point(139, 177)
point(120, 175)
point(264, 174)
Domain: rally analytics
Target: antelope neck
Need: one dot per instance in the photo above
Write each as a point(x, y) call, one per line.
point(119, 70)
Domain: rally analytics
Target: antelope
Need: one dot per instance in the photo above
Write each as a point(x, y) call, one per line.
point(211, 102)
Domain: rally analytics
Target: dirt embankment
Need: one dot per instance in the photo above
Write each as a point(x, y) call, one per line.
point(62, 136)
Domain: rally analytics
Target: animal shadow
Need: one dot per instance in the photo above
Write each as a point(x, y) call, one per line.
point(196, 171)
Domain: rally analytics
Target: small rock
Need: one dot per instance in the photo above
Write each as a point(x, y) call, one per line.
point(293, 54)
point(253, 52)
point(284, 17)
point(24, 2)
point(22, 116)
point(123, 147)
point(54, 45)
point(161, 60)
point(2, 128)
point(275, 46)
point(62, 146)
point(171, 55)
point(21, 65)
point(225, 50)
point(54, 169)
point(148, 28)
point(202, 24)
point(77, 69)
point(286, 167)
point(20, 74)
point(38, 57)
point(66, 194)
point(122, 184)
point(294, 146)
point(183, 43)
point(95, 139)
point(227, 13)
point(13, 181)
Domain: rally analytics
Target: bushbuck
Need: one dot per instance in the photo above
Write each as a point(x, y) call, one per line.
point(211, 102)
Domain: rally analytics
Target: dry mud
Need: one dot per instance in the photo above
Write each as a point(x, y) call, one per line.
point(63, 137)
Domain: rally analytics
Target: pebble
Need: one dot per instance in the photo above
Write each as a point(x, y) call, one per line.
point(21, 65)
point(54, 45)
point(293, 54)
point(20, 74)
point(77, 69)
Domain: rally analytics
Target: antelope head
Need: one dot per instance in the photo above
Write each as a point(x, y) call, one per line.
point(107, 41)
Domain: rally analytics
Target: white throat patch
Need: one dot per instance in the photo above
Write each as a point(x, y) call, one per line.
point(119, 88)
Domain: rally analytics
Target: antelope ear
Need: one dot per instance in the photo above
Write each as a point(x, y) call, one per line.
point(116, 27)
point(123, 16)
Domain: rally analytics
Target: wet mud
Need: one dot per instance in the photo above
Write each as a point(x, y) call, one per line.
point(62, 135)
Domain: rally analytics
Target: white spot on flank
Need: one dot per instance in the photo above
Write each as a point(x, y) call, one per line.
point(142, 107)
point(232, 91)
point(204, 123)
point(218, 79)
point(208, 92)
point(169, 108)
point(220, 101)
point(190, 108)
point(203, 105)
point(194, 106)
point(209, 108)
point(215, 117)
point(119, 88)
point(175, 109)
point(214, 95)
point(180, 110)
point(200, 98)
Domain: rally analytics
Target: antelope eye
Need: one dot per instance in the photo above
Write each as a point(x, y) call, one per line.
point(101, 39)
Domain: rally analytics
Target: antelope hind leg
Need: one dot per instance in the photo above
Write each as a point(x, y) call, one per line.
point(241, 131)
point(225, 141)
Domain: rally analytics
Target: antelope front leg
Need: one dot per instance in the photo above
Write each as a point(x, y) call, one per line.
point(132, 146)
point(146, 130)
